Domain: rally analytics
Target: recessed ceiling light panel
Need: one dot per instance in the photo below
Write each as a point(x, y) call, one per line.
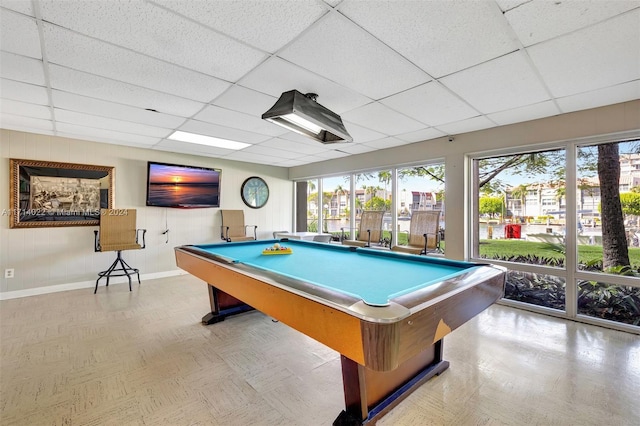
point(207, 140)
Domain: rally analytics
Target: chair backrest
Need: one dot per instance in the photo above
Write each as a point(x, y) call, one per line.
point(118, 229)
point(275, 233)
point(370, 220)
point(234, 219)
point(424, 222)
point(325, 238)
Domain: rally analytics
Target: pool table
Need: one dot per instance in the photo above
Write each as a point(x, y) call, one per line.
point(386, 313)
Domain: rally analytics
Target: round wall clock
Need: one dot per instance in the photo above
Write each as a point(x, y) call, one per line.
point(255, 192)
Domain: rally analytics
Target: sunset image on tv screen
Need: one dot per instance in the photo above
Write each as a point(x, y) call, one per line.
point(183, 186)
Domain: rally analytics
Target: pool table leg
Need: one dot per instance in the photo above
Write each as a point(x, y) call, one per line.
point(369, 394)
point(223, 305)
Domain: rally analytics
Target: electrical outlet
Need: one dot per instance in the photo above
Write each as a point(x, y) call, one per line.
point(9, 273)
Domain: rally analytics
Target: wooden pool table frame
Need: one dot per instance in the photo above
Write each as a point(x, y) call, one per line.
point(386, 352)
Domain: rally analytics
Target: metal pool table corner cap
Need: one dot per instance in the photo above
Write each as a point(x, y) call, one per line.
point(381, 314)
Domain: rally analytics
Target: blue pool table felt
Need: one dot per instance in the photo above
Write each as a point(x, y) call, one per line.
point(373, 277)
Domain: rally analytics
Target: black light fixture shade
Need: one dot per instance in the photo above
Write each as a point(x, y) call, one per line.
point(302, 114)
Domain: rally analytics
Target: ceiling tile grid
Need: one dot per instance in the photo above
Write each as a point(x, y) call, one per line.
point(130, 72)
point(81, 53)
point(156, 32)
point(19, 34)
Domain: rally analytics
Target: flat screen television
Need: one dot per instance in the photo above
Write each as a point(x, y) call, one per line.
point(187, 187)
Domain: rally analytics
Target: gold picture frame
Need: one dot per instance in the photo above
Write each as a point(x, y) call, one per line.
point(50, 194)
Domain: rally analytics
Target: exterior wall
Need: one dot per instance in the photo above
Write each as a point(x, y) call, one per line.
point(52, 259)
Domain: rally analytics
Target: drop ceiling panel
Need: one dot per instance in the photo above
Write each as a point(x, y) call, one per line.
point(226, 117)
point(252, 158)
point(506, 5)
point(355, 148)
point(507, 82)
point(602, 55)
point(272, 152)
point(385, 143)
point(24, 109)
point(101, 138)
point(361, 134)
point(312, 159)
point(382, 119)
point(421, 135)
point(525, 113)
point(21, 6)
point(245, 100)
point(93, 86)
point(295, 147)
point(538, 21)
point(332, 153)
point(171, 37)
point(597, 98)
point(18, 122)
point(441, 37)
point(431, 104)
point(293, 163)
point(19, 34)
point(364, 64)
point(81, 119)
point(23, 92)
point(21, 68)
point(257, 23)
point(85, 54)
point(105, 134)
point(464, 126)
point(73, 102)
point(276, 75)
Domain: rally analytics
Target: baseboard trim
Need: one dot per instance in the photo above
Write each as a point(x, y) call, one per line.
point(84, 284)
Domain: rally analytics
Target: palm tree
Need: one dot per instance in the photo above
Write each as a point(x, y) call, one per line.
point(385, 177)
point(339, 191)
point(561, 192)
point(614, 242)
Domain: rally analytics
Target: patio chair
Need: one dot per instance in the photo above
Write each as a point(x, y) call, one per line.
point(369, 229)
point(117, 233)
point(424, 233)
point(324, 238)
point(233, 227)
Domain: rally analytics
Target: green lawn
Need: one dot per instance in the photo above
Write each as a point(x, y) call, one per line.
point(586, 253)
point(505, 248)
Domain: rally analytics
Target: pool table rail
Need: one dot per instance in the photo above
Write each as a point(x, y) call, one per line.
point(391, 313)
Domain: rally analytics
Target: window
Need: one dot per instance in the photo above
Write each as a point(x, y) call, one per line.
point(551, 240)
point(335, 205)
point(420, 187)
point(307, 211)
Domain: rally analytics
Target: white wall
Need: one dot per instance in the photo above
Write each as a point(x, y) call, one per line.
point(59, 258)
point(613, 119)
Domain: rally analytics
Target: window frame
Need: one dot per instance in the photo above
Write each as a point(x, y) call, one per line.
point(570, 273)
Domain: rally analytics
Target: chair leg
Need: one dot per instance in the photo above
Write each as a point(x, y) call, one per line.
point(126, 266)
point(113, 271)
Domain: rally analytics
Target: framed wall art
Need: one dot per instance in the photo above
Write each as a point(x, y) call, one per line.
point(46, 194)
